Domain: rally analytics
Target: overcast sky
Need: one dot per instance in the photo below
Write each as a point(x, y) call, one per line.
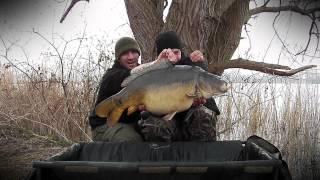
point(107, 20)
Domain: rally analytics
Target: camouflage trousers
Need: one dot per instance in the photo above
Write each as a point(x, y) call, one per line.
point(201, 126)
point(120, 132)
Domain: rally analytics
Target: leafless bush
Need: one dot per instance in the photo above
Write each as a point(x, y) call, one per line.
point(52, 100)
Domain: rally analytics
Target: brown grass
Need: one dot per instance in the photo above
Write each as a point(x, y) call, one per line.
point(44, 108)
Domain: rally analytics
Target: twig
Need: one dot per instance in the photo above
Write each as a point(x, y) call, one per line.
point(309, 39)
point(76, 54)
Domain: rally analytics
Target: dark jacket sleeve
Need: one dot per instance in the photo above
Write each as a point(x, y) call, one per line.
point(110, 85)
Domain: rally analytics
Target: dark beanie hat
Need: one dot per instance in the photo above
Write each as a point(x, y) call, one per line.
point(124, 44)
point(167, 40)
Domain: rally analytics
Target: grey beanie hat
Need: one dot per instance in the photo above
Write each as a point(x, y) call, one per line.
point(124, 44)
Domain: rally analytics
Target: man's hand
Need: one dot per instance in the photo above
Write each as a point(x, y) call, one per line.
point(141, 107)
point(173, 55)
point(199, 101)
point(196, 56)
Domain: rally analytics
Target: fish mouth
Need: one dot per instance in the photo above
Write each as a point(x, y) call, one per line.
point(218, 90)
point(222, 89)
point(225, 87)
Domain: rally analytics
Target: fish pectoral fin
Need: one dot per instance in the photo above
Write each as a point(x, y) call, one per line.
point(168, 117)
point(132, 109)
point(114, 116)
point(195, 94)
point(192, 95)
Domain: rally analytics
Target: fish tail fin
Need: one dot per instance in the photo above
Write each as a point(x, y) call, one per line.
point(105, 107)
point(114, 116)
point(111, 109)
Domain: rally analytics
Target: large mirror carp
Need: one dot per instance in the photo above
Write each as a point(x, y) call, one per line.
point(164, 90)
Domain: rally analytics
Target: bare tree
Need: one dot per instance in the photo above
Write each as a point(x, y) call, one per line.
point(212, 26)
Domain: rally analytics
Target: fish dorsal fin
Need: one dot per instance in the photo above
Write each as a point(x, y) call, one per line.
point(145, 68)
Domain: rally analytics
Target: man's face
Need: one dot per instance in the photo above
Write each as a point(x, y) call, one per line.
point(129, 59)
point(177, 53)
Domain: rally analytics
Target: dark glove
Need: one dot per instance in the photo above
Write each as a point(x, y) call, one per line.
point(155, 128)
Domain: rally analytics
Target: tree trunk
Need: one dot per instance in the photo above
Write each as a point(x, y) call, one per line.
point(146, 22)
point(212, 26)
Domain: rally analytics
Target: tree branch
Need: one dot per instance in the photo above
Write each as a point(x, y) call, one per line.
point(73, 2)
point(265, 3)
point(273, 69)
point(305, 12)
point(309, 39)
point(304, 8)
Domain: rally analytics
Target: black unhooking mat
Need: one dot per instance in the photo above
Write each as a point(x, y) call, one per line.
point(252, 159)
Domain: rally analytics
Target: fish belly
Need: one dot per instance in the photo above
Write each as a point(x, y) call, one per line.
point(167, 99)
